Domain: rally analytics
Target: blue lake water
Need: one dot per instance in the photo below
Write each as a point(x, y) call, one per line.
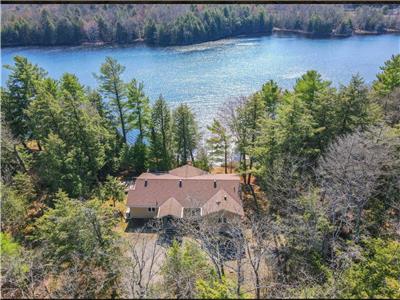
point(207, 75)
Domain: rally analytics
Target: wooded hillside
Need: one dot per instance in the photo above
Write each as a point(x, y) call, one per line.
point(164, 25)
point(321, 179)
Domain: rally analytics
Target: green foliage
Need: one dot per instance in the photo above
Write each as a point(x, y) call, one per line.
point(202, 160)
point(216, 289)
point(209, 24)
point(184, 265)
point(377, 274)
point(319, 27)
point(78, 228)
point(112, 189)
point(219, 142)
point(389, 79)
point(24, 186)
point(138, 103)
point(113, 88)
point(161, 136)
point(13, 267)
point(76, 151)
point(355, 108)
point(185, 134)
point(140, 157)
point(21, 89)
point(271, 95)
point(180, 25)
point(14, 207)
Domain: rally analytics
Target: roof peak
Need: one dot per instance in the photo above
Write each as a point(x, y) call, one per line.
point(187, 171)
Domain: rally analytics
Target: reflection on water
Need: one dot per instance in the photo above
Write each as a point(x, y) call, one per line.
point(207, 75)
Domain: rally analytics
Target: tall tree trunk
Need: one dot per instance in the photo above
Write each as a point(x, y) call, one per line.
point(258, 290)
point(121, 115)
point(239, 278)
point(226, 158)
point(39, 145)
point(244, 167)
point(21, 162)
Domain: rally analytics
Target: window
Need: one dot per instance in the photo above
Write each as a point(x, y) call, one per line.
point(152, 209)
point(222, 220)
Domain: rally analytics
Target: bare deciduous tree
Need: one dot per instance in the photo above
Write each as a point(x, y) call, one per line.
point(349, 173)
point(144, 263)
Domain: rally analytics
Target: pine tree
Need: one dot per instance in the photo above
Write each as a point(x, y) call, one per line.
point(389, 78)
point(270, 94)
point(21, 89)
point(353, 106)
point(219, 142)
point(254, 111)
point(185, 134)
point(139, 106)
point(112, 87)
point(161, 135)
point(76, 150)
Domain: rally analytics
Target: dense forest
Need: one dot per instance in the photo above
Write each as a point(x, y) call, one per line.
point(320, 171)
point(164, 25)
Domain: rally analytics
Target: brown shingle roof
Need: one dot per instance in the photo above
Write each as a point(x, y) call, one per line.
point(171, 207)
point(187, 171)
point(197, 190)
point(222, 201)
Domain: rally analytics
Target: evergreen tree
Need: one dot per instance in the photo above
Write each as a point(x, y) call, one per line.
point(140, 156)
point(353, 107)
point(121, 34)
point(183, 266)
point(45, 113)
point(254, 111)
point(295, 128)
point(64, 32)
point(161, 135)
point(112, 86)
point(139, 106)
point(219, 142)
point(150, 32)
point(112, 189)
point(185, 134)
point(316, 95)
point(270, 94)
point(389, 78)
point(47, 28)
point(74, 155)
point(202, 161)
point(20, 92)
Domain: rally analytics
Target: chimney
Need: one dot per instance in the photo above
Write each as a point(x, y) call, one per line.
point(225, 197)
point(215, 184)
point(180, 183)
point(189, 162)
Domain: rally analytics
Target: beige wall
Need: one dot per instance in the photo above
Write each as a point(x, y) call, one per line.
point(142, 212)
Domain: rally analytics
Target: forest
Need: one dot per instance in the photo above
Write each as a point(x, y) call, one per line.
point(320, 168)
point(166, 25)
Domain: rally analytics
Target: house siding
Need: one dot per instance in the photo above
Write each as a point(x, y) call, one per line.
point(142, 213)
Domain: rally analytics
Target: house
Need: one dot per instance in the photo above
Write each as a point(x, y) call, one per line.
point(183, 192)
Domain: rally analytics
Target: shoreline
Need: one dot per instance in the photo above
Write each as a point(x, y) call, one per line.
point(279, 32)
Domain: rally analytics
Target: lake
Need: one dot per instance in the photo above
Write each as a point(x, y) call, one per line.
point(206, 75)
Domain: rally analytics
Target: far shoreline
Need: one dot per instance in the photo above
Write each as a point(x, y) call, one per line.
point(277, 32)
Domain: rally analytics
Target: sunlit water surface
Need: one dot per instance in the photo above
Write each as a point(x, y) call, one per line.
point(207, 75)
